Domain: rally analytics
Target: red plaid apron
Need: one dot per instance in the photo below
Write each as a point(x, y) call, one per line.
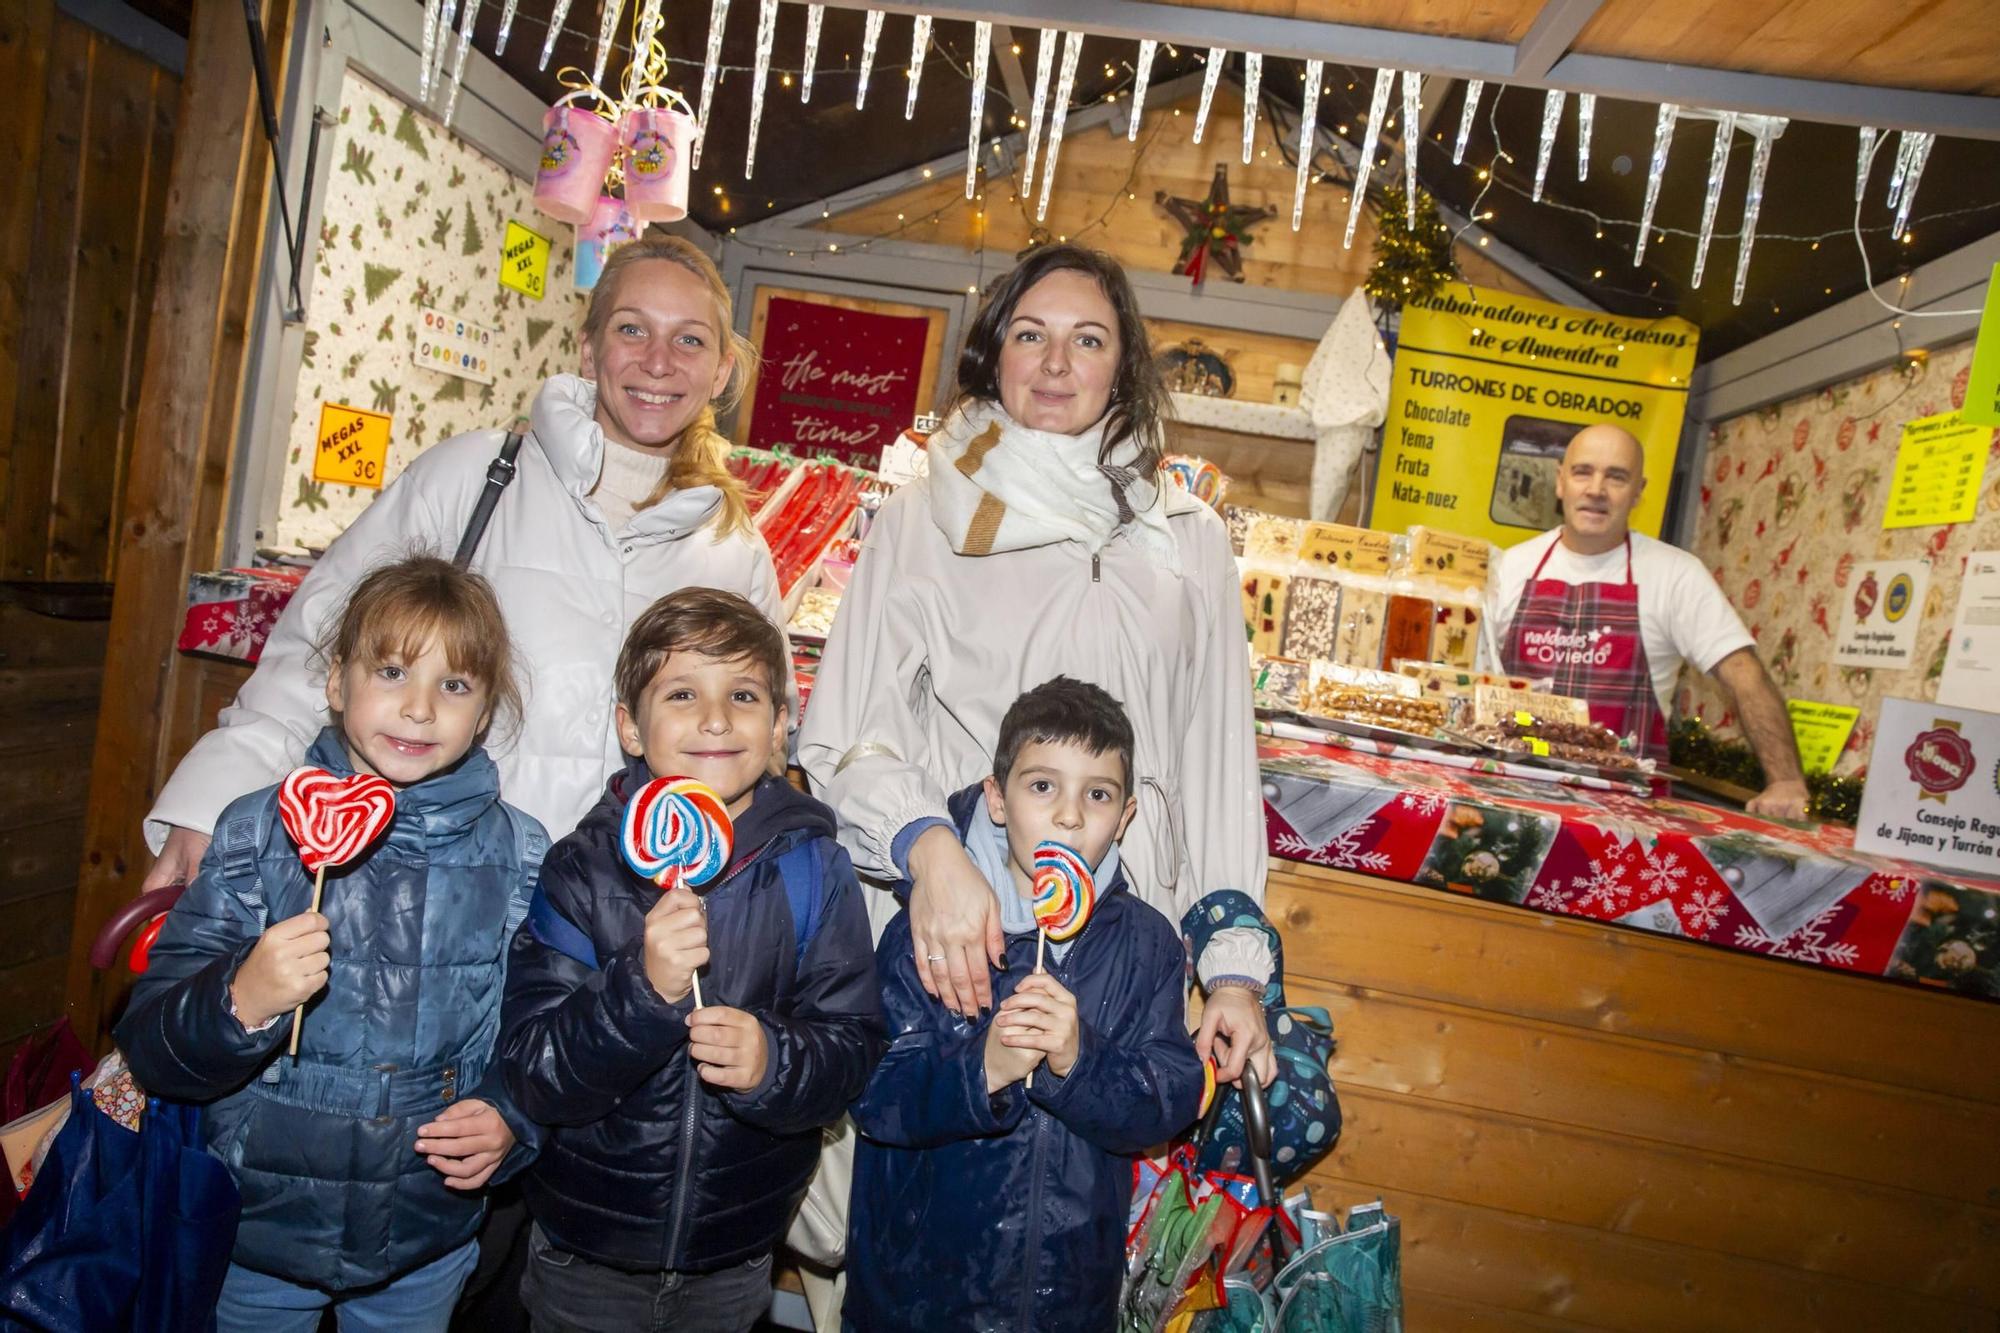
point(1587, 636)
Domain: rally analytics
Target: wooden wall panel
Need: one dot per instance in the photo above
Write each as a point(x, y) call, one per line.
point(24, 49)
point(1585, 1125)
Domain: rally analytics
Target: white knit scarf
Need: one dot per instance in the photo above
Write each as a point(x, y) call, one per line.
point(996, 485)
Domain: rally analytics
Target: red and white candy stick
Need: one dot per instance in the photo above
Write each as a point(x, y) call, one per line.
point(332, 820)
point(678, 831)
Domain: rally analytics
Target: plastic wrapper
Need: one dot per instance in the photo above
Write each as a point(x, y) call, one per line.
point(1455, 634)
point(1271, 538)
point(1264, 594)
point(1407, 627)
point(1278, 682)
point(1364, 613)
point(1312, 614)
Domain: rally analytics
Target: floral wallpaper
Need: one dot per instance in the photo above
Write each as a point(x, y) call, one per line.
point(414, 219)
point(1793, 496)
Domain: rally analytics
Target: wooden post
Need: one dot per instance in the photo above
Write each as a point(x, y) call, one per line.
point(190, 396)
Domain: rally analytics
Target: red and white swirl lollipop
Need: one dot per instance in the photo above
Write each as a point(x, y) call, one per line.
point(332, 820)
point(678, 831)
point(1065, 895)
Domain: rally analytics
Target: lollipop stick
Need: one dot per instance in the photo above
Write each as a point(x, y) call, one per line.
point(670, 879)
point(1041, 943)
point(299, 1014)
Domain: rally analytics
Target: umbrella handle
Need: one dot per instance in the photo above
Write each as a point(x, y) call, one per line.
point(1257, 1138)
point(104, 947)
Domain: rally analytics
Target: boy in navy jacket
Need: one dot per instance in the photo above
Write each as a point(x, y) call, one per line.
point(979, 1202)
point(681, 1139)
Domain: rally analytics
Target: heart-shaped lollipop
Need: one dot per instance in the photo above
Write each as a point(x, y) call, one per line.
point(678, 831)
point(333, 820)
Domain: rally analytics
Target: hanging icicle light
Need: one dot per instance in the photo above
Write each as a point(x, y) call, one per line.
point(427, 55)
point(649, 29)
point(920, 42)
point(871, 33)
point(506, 26)
point(1209, 78)
point(442, 50)
point(458, 60)
point(1045, 63)
point(1919, 154)
point(607, 32)
point(1864, 160)
point(1308, 145)
point(1058, 113)
point(1586, 116)
point(1465, 117)
point(718, 19)
point(1753, 200)
point(556, 19)
point(1378, 106)
point(815, 16)
point(982, 55)
point(1253, 74)
point(1412, 114)
point(1663, 138)
point(1718, 167)
point(1141, 77)
point(1552, 110)
point(760, 74)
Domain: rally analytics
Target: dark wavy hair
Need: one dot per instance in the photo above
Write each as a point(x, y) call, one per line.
point(1138, 397)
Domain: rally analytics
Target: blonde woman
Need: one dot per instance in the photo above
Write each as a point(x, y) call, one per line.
point(620, 497)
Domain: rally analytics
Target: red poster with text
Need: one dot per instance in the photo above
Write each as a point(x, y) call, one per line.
point(837, 381)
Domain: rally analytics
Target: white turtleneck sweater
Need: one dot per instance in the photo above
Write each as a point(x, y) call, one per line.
point(628, 477)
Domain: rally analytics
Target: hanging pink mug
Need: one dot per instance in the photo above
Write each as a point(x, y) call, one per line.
point(656, 140)
point(577, 148)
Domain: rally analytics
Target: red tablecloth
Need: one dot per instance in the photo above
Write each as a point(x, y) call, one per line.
point(1718, 876)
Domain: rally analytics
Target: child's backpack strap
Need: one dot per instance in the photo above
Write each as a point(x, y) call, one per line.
point(237, 844)
point(531, 847)
point(559, 932)
point(800, 868)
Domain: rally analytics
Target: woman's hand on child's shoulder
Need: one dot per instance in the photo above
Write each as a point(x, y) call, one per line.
point(728, 1047)
point(466, 1143)
point(285, 968)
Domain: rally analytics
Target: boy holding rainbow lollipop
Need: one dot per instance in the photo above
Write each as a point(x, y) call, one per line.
point(684, 1114)
point(994, 1170)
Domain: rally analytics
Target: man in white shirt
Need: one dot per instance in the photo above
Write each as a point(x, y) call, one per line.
point(1612, 614)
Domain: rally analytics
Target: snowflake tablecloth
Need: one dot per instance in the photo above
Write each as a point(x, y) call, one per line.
point(230, 612)
point(1717, 876)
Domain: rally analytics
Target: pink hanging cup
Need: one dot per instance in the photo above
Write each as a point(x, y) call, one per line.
point(577, 148)
point(656, 141)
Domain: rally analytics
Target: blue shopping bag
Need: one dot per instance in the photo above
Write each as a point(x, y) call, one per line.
point(121, 1230)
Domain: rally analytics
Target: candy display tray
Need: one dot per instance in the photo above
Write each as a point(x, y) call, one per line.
point(1635, 778)
point(1370, 731)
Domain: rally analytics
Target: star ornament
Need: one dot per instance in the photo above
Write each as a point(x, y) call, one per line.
point(1217, 230)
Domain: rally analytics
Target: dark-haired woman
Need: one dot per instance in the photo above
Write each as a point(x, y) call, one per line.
point(1042, 543)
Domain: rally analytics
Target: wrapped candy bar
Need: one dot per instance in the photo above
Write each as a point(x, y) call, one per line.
point(1358, 639)
point(1407, 630)
point(1312, 613)
point(1455, 635)
point(1264, 593)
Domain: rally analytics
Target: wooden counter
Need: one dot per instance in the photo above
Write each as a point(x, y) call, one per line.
point(1586, 1127)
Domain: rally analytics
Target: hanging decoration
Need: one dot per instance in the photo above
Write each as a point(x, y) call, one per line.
point(1413, 259)
point(1552, 110)
point(920, 42)
point(815, 17)
point(1211, 76)
point(506, 26)
point(1753, 198)
point(1059, 113)
point(1216, 229)
point(1308, 140)
point(458, 61)
point(1913, 149)
point(1586, 116)
point(1141, 76)
point(1718, 167)
point(1864, 160)
point(1253, 74)
point(442, 48)
point(760, 75)
point(1377, 106)
point(982, 55)
point(1663, 139)
point(649, 25)
point(1465, 118)
point(1045, 60)
point(607, 30)
point(556, 20)
point(871, 33)
point(1412, 116)
point(427, 52)
point(718, 18)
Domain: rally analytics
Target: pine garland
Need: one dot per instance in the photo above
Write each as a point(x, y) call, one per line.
point(1692, 746)
point(1412, 263)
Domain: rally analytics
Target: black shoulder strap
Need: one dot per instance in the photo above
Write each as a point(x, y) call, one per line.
point(498, 473)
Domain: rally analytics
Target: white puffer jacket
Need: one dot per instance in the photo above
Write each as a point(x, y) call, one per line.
point(569, 587)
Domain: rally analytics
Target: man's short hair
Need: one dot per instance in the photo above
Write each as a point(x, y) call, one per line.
point(717, 624)
point(1065, 711)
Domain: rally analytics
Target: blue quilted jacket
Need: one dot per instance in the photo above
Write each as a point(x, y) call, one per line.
point(335, 1194)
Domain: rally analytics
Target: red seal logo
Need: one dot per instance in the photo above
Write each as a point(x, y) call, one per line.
point(1940, 761)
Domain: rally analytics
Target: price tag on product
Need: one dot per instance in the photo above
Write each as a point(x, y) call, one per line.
point(1822, 731)
point(353, 446)
point(1524, 719)
point(1538, 746)
point(1449, 556)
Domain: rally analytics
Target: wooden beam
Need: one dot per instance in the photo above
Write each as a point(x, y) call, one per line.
point(1011, 77)
point(1548, 38)
point(189, 397)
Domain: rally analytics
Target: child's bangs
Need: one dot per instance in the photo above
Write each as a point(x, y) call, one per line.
point(404, 628)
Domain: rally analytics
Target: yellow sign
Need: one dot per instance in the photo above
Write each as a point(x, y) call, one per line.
point(1350, 550)
point(1939, 466)
point(1982, 384)
point(353, 446)
point(1489, 388)
point(1822, 731)
point(524, 261)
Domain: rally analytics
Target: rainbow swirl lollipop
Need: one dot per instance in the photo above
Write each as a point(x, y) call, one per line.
point(677, 826)
point(1065, 893)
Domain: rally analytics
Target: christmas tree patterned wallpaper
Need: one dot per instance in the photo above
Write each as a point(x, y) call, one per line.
point(1792, 496)
point(414, 220)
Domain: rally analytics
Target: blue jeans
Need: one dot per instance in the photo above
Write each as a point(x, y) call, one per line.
point(419, 1301)
point(567, 1293)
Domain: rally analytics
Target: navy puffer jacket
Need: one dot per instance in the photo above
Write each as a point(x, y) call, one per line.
point(645, 1167)
point(335, 1194)
point(1007, 1212)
